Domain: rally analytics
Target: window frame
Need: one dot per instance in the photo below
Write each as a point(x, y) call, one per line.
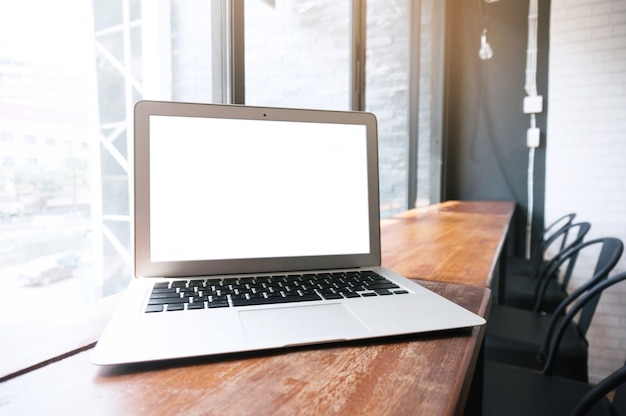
point(232, 12)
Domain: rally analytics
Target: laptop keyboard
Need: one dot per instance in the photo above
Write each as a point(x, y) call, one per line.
point(194, 293)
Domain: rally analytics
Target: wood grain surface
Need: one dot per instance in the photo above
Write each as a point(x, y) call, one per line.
point(456, 242)
point(453, 247)
point(426, 374)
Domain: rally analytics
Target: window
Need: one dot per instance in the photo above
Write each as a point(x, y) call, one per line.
point(387, 91)
point(68, 83)
point(297, 53)
point(8, 161)
point(7, 137)
point(404, 60)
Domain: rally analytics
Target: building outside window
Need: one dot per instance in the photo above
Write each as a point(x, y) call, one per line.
point(69, 80)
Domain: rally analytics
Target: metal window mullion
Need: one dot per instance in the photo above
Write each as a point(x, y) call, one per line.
point(219, 46)
point(414, 100)
point(236, 46)
point(435, 176)
point(357, 52)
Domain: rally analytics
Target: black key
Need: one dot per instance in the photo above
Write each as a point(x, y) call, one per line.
point(164, 295)
point(400, 292)
point(257, 287)
point(269, 301)
point(163, 289)
point(176, 307)
point(289, 288)
point(238, 296)
point(275, 286)
point(274, 295)
point(208, 292)
point(222, 303)
point(332, 296)
point(300, 298)
point(196, 305)
point(154, 308)
point(223, 293)
point(388, 285)
point(242, 301)
point(161, 285)
point(256, 296)
point(366, 294)
point(167, 301)
point(350, 295)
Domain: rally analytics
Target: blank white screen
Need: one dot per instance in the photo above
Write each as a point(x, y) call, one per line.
point(235, 189)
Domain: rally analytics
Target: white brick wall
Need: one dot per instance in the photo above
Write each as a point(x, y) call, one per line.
point(586, 146)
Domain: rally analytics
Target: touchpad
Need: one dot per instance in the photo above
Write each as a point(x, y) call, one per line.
point(300, 324)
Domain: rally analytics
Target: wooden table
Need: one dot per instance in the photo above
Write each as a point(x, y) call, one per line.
point(418, 374)
point(455, 242)
point(422, 374)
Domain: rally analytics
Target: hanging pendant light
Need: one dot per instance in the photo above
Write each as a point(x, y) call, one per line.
point(485, 53)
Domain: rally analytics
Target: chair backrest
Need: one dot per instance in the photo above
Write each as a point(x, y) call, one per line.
point(586, 300)
point(614, 381)
point(569, 256)
point(607, 260)
point(582, 229)
point(565, 220)
point(610, 253)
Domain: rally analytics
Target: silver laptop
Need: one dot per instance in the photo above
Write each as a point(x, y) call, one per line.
point(258, 228)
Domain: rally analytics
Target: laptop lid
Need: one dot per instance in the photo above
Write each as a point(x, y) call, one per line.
point(223, 189)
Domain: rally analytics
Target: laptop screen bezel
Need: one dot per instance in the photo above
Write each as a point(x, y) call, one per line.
point(145, 267)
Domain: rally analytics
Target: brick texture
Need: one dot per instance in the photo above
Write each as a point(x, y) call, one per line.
point(586, 147)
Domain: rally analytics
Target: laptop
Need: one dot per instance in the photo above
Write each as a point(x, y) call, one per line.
point(259, 228)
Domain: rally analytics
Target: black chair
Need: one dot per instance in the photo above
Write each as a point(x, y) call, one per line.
point(521, 290)
point(511, 390)
point(550, 291)
point(565, 220)
point(523, 266)
point(595, 401)
point(519, 337)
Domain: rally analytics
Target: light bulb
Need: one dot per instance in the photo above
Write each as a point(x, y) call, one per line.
point(485, 53)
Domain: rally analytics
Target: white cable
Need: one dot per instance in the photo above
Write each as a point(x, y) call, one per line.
point(531, 50)
point(531, 90)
